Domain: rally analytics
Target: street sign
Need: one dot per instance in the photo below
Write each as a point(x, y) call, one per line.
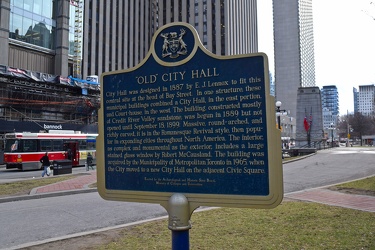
point(187, 121)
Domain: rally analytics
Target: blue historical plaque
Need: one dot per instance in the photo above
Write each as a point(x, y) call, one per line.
point(187, 121)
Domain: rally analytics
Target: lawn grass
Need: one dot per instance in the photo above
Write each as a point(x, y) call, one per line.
point(292, 225)
point(363, 187)
point(364, 184)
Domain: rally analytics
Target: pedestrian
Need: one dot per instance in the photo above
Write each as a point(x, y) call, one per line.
point(45, 163)
point(69, 153)
point(89, 162)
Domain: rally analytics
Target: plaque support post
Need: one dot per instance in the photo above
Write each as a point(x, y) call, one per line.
point(179, 221)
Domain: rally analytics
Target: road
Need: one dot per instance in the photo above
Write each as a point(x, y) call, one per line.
point(40, 219)
point(329, 167)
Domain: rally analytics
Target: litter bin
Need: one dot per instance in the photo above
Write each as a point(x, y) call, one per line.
point(62, 167)
point(295, 152)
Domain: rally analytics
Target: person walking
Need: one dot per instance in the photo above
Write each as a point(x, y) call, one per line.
point(45, 163)
point(89, 162)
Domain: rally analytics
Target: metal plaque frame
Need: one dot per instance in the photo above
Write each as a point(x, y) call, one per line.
point(220, 110)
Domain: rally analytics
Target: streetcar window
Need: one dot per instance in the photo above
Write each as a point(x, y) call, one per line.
point(45, 145)
point(91, 144)
point(29, 145)
point(58, 145)
point(12, 145)
point(82, 144)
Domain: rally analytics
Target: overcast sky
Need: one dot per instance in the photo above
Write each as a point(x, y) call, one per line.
point(344, 38)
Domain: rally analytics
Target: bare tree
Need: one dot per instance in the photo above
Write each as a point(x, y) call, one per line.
point(361, 125)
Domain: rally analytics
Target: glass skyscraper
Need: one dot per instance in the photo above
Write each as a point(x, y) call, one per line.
point(40, 35)
point(330, 105)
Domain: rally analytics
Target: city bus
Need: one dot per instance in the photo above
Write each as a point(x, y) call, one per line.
point(23, 150)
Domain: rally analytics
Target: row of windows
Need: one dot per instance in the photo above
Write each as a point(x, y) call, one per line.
point(30, 31)
point(44, 145)
point(39, 7)
point(32, 21)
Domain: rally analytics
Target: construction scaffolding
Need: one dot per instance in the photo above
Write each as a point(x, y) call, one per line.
point(27, 100)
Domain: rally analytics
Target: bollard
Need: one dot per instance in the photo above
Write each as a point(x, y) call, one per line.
point(179, 221)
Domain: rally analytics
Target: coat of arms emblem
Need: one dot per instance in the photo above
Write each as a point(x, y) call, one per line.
point(174, 45)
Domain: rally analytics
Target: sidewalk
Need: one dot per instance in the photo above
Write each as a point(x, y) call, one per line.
point(334, 198)
point(79, 183)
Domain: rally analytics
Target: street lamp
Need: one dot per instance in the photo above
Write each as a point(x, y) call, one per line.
point(331, 128)
point(279, 113)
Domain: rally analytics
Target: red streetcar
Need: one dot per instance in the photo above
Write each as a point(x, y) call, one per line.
point(23, 150)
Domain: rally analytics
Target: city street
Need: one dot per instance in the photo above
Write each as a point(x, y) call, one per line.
point(40, 219)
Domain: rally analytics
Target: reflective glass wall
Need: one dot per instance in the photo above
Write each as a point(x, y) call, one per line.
point(33, 21)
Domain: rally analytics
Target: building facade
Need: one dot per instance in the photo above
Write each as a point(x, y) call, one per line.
point(40, 46)
point(355, 99)
point(117, 34)
point(366, 100)
point(294, 50)
point(37, 35)
point(83, 38)
point(43, 42)
point(330, 105)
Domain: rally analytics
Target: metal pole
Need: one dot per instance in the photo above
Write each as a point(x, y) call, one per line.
point(180, 240)
point(179, 221)
point(347, 128)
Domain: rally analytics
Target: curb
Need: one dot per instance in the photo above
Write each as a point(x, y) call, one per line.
point(299, 158)
point(46, 195)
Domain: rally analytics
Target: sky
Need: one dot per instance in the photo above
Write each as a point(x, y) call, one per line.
point(344, 44)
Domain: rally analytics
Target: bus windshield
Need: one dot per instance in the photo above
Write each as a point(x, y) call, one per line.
point(11, 145)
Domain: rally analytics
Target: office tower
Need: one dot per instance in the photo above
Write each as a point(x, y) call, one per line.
point(366, 100)
point(294, 50)
point(83, 38)
point(117, 34)
point(355, 99)
point(330, 105)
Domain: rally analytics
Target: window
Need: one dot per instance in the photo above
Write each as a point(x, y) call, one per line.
point(29, 145)
point(91, 144)
point(58, 145)
point(31, 21)
point(38, 6)
point(45, 145)
point(11, 145)
point(82, 144)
